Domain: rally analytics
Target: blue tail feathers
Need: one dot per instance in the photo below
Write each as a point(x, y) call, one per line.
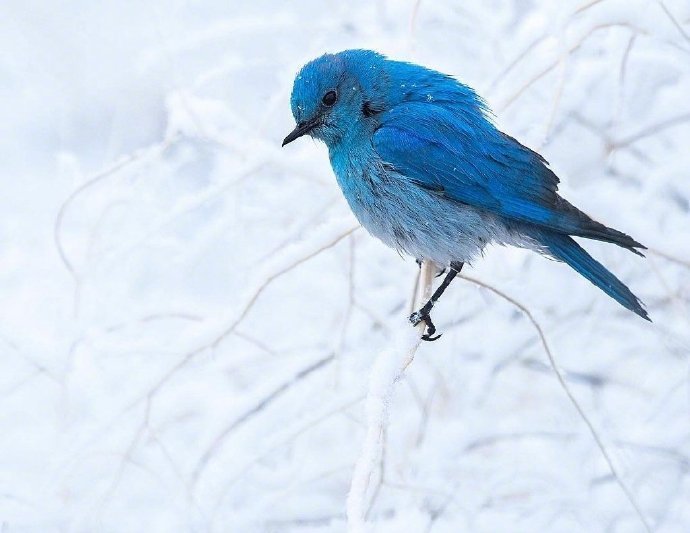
point(565, 249)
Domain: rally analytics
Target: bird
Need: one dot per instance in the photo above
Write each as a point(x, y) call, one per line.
point(425, 169)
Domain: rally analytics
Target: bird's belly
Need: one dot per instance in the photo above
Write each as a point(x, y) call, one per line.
point(418, 222)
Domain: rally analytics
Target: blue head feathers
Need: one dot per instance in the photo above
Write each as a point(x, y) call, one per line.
point(333, 94)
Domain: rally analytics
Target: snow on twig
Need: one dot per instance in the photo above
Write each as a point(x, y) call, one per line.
point(386, 371)
point(321, 239)
point(569, 393)
point(247, 415)
point(90, 182)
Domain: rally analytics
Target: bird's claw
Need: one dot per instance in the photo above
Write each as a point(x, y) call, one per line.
point(430, 338)
point(420, 316)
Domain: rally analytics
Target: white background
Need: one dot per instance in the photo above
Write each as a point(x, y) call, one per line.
point(145, 199)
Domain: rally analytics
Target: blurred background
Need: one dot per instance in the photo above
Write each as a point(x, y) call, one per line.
point(187, 326)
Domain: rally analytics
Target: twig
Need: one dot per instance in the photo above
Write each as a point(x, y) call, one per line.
point(290, 435)
point(97, 178)
point(265, 402)
point(668, 257)
point(651, 130)
point(514, 62)
point(546, 70)
point(673, 20)
point(347, 316)
point(586, 6)
point(386, 371)
point(561, 380)
point(413, 27)
point(332, 234)
point(326, 237)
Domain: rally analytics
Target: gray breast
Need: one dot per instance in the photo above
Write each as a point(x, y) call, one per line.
point(422, 223)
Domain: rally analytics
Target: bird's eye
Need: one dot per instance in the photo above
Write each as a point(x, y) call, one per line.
point(329, 98)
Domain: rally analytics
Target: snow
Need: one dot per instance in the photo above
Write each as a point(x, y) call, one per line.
point(195, 337)
point(385, 372)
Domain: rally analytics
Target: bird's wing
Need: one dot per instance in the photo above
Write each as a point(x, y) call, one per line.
point(472, 163)
point(466, 159)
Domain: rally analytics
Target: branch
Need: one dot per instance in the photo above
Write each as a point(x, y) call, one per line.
point(286, 436)
point(386, 371)
point(247, 415)
point(90, 182)
point(324, 238)
point(561, 380)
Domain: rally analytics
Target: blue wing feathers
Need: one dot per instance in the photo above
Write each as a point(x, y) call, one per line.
point(474, 163)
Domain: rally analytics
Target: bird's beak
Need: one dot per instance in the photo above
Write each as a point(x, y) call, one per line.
point(301, 129)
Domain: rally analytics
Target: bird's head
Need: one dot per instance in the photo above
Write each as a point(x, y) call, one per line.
point(335, 94)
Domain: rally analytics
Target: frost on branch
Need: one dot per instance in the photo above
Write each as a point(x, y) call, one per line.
point(385, 372)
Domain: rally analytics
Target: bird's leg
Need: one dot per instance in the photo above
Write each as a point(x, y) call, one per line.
point(424, 314)
point(437, 275)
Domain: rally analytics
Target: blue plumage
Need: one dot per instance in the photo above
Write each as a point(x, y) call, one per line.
point(425, 170)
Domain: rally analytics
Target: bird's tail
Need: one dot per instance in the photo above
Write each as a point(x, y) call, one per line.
point(564, 248)
point(582, 225)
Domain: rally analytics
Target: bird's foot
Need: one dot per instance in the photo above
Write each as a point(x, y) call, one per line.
point(423, 316)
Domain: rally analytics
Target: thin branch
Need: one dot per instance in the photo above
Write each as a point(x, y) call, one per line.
point(652, 130)
point(94, 180)
point(563, 63)
point(342, 337)
point(412, 29)
point(546, 70)
point(327, 236)
point(671, 258)
point(586, 6)
point(673, 20)
point(291, 436)
point(343, 229)
point(245, 417)
point(566, 388)
point(515, 62)
point(386, 371)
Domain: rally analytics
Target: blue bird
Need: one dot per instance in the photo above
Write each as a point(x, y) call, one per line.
point(425, 170)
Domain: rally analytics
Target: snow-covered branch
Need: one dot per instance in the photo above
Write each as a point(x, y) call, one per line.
point(385, 372)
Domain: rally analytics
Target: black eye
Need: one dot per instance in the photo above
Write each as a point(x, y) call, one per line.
point(329, 98)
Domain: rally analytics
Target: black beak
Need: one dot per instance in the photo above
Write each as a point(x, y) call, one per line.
point(301, 129)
